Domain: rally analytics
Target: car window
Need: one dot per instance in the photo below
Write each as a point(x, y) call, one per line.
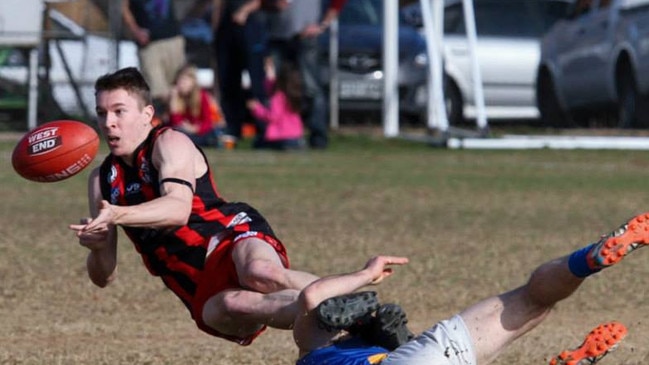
point(370, 12)
point(524, 18)
point(454, 20)
point(362, 12)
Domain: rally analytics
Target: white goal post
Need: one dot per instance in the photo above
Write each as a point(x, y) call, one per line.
point(433, 19)
point(21, 25)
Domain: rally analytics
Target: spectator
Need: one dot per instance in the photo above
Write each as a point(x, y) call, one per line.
point(283, 129)
point(240, 45)
point(293, 34)
point(161, 47)
point(194, 110)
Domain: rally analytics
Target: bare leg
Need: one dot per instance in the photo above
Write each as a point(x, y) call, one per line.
point(259, 268)
point(242, 312)
point(268, 293)
point(497, 321)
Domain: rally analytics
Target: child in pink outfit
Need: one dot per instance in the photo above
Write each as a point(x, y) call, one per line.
point(283, 129)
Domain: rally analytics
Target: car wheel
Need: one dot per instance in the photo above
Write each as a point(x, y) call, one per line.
point(629, 103)
point(546, 99)
point(579, 118)
point(454, 103)
point(642, 111)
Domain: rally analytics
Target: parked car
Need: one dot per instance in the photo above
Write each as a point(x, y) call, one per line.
point(360, 64)
point(594, 60)
point(508, 52)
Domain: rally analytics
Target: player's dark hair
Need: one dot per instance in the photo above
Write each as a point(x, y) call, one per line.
point(129, 79)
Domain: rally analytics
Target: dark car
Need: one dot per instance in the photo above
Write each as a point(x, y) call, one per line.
point(594, 66)
point(360, 65)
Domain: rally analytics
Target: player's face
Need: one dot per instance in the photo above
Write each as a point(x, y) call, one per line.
point(124, 122)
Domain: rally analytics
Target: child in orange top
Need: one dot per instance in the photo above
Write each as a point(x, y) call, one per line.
point(194, 110)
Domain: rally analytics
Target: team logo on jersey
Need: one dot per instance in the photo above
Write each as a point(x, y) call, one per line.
point(145, 171)
point(246, 235)
point(240, 218)
point(133, 188)
point(112, 175)
point(114, 194)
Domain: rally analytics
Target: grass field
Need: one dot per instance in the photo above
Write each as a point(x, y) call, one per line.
point(473, 223)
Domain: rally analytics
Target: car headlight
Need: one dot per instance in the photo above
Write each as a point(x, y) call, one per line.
point(421, 60)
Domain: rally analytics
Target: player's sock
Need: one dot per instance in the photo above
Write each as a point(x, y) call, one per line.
point(611, 248)
point(579, 262)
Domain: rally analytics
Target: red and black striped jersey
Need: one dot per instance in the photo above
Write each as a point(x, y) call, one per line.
point(176, 254)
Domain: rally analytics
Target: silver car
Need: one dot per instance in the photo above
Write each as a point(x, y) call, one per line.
point(508, 51)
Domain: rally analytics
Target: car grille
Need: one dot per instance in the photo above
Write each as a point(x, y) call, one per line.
point(359, 62)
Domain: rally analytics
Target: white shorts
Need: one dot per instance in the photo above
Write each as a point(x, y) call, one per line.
point(446, 343)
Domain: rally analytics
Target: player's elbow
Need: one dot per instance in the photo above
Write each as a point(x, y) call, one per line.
point(102, 270)
point(310, 297)
point(178, 213)
point(102, 281)
point(179, 218)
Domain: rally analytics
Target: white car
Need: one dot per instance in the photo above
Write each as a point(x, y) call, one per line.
point(594, 60)
point(508, 52)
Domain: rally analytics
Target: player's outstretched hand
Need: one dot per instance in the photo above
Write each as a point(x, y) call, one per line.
point(93, 240)
point(93, 233)
point(380, 267)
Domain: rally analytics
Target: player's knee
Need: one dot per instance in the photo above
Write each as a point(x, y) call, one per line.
point(233, 306)
point(228, 313)
point(225, 308)
point(263, 276)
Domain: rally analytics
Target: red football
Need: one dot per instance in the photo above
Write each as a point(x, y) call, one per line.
point(55, 151)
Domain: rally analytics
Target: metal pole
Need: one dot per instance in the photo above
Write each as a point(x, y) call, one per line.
point(469, 20)
point(115, 21)
point(33, 89)
point(390, 68)
point(334, 79)
point(434, 29)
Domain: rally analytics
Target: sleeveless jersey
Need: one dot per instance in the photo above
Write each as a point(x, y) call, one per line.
point(176, 255)
point(354, 351)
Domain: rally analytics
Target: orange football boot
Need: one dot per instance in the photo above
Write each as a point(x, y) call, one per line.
point(613, 247)
point(598, 343)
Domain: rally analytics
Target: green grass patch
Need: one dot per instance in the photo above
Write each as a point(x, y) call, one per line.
point(472, 222)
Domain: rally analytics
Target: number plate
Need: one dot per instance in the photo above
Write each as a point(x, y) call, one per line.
point(361, 90)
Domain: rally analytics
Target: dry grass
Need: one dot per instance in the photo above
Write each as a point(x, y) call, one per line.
point(473, 223)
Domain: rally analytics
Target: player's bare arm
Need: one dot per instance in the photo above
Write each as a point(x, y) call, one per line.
point(179, 164)
point(101, 263)
point(375, 271)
